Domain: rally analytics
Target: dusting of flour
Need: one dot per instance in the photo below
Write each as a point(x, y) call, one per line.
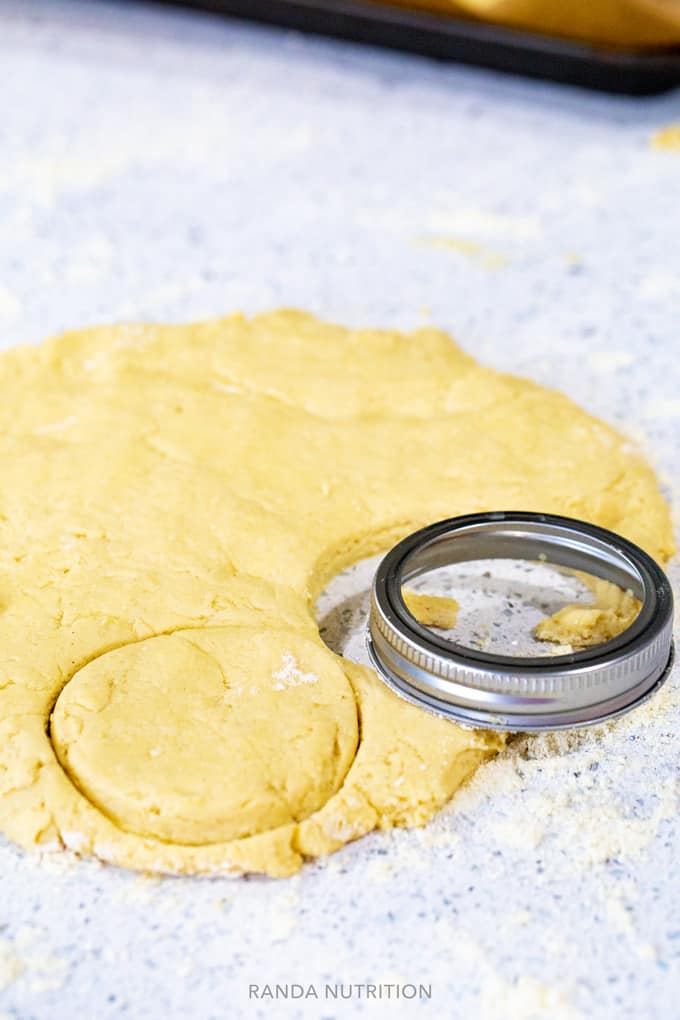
point(290, 675)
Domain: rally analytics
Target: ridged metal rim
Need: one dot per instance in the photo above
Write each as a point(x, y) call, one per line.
point(512, 693)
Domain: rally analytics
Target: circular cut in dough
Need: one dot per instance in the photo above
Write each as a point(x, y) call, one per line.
point(174, 499)
point(208, 735)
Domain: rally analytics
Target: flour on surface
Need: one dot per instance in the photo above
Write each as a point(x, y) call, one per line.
point(290, 674)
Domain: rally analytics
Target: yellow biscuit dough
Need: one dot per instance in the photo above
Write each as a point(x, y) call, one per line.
point(432, 610)
point(667, 138)
point(581, 626)
point(174, 498)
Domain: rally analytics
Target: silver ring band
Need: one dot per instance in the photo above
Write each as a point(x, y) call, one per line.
point(514, 693)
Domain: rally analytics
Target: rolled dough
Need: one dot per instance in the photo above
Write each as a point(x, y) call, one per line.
point(174, 499)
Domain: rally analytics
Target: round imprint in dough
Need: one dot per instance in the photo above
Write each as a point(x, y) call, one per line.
point(208, 735)
point(174, 499)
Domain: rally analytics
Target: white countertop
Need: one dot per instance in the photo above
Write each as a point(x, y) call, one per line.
point(161, 165)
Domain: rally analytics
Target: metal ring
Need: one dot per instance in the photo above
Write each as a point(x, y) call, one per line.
point(518, 693)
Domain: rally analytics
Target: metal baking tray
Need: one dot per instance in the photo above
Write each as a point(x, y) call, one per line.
point(630, 72)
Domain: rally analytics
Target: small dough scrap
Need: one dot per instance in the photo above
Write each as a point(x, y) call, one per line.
point(174, 500)
point(667, 138)
point(581, 626)
point(432, 610)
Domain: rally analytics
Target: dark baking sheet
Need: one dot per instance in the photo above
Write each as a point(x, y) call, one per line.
point(643, 72)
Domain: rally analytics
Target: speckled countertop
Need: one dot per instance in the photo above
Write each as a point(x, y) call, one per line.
point(161, 165)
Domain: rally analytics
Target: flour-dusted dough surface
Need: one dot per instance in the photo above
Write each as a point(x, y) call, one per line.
point(174, 498)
